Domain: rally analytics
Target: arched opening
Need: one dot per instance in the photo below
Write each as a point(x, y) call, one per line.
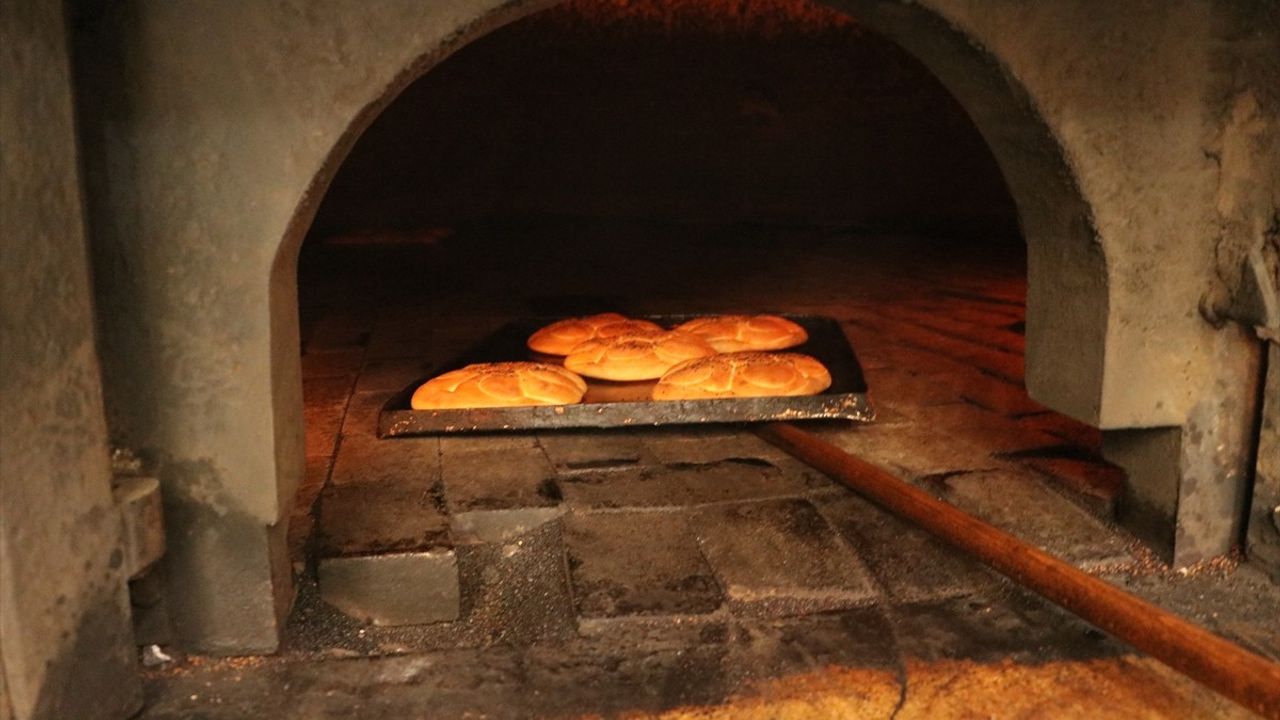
point(665, 158)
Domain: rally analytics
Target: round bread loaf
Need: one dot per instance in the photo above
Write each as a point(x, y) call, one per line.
point(506, 384)
point(560, 337)
point(752, 374)
point(635, 357)
point(738, 333)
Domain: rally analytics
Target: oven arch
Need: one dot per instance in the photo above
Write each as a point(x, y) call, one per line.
point(196, 242)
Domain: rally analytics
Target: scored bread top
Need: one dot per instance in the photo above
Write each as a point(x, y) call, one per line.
point(738, 333)
point(635, 356)
point(561, 336)
point(505, 384)
point(750, 374)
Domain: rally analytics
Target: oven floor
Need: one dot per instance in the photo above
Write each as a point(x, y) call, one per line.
point(700, 572)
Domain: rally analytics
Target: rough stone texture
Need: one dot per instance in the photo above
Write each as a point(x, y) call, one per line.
point(624, 564)
point(496, 472)
point(380, 517)
point(369, 459)
point(681, 484)
point(499, 526)
point(781, 557)
point(572, 450)
point(987, 627)
point(66, 646)
point(1264, 520)
point(909, 563)
point(1024, 507)
point(399, 588)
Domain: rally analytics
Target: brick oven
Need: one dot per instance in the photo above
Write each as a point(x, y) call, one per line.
point(236, 232)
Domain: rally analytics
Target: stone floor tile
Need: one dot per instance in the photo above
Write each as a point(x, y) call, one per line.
point(362, 414)
point(577, 450)
point(910, 449)
point(1095, 485)
point(609, 678)
point(646, 563)
point(856, 638)
point(909, 563)
point(325, 403)
point(991, 431)
point(1026, 508)
point(685, 484)
point(499, 526)
point(707, 444)
point(895, 386)
point(400, 588)
point(368, 459)
point(1068, 429)
point(1013, 625)
point(994, 394)
point(781, 558)
point(367, 518)
point(496, 472)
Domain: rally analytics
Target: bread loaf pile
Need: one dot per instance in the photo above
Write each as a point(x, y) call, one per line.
point(713, 357)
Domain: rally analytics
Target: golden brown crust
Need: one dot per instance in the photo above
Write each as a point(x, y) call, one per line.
point(751, 374)
point(635, 357)
point(561, 336)
point(739, 333)
point(508, 384)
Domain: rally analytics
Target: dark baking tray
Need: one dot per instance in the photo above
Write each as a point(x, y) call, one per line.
point(612, 404)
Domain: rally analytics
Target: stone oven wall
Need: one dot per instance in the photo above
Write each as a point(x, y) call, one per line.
point(1137, 140)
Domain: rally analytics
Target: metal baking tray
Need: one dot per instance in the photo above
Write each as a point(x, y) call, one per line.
point(618, 404)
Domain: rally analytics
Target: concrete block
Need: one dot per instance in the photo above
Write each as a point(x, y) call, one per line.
point(781, 558)
point(1025, 507)
point(909, 563)
point(407, 588)
point(625, 564)
point(684, 484)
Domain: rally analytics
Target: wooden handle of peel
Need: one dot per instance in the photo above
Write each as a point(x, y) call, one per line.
point(1249, 679)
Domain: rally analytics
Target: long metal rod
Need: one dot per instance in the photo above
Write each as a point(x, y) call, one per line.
point(1249, 679)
